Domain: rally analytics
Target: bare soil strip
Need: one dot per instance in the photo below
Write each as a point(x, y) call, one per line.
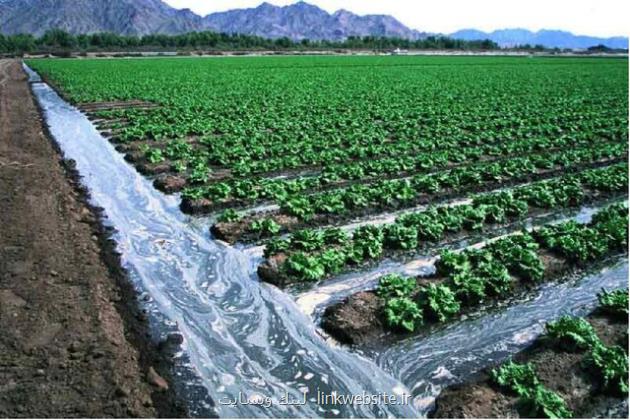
point(73, 342)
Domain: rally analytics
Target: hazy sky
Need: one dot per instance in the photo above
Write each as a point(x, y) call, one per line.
point(583, 17)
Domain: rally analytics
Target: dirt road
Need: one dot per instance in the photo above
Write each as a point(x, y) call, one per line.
point(69, 345)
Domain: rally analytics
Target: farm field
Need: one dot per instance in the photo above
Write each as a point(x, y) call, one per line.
point(324, 168)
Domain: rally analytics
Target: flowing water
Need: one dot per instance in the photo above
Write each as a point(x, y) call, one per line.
point(245, 340)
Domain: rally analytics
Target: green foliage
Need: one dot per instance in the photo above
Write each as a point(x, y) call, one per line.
point(611, 364)
point(368, 241)
point(402, 313)
point(452, 262)
point(229, 216)
point(57, 41)
point(304, 267)
point(308, 240)
point(265, 227)
point(394, 285)
point(469, 288)
point(518, 254)
point(607, 231)
point(401, 237)
point(154, 155)
point(333, 260)
point(519, 378)
point(544, 403)
point(572, 333)
point(276, 246)
point(439, 302)
point(335, 236)
point(496, 277)
point(535, 400)
point(615, 302)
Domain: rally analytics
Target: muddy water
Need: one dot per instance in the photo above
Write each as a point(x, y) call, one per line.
point(250, 341)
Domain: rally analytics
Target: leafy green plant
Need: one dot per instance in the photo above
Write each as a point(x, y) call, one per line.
point(496, 276)
point(265, 227)
point(439, 302)
point(394, 285)
point(401, 237)
point(544, 403)
point(452, 262)
point(534, 399)
point(402, 313)
point(572, 333)
point(299, 207)
point(369, 241)
point(518, 254)
point(276, 246)
point(308, 240)
point(615, 302)
point(333, 260)
point(335, 236)
point(611, 363)
point(229, 216)
point(154, 155)
point(519, 378)
point(469, 287)
point(304, 267)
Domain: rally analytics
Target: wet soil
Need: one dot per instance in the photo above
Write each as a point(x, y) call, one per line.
point(561, 371)
point(74, 341)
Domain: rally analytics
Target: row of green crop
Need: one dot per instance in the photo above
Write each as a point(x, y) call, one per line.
point(254, 189)
point(399, 192)
point(395, 194)
point(316, 254)
point(257, 115)
point(249, 159)
point(390, 157)
point(473, 275)
point(610, 363)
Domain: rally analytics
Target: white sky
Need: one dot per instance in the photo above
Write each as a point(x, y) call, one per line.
point(582, 17)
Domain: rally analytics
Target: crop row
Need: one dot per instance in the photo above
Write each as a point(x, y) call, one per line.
point(311, 255)
point(358, 200)
point(251, 159)
point(466, 279)
point(248, 191)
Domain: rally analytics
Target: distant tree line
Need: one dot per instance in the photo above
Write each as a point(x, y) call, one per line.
point(58, 40)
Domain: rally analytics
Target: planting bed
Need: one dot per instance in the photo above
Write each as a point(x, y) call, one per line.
point(299, 155)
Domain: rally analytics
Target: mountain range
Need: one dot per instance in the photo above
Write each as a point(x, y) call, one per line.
point(297, 21)
point(547, 38)
point(143, 17)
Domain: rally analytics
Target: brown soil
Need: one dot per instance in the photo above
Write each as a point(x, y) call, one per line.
point(356, 320)
point(477, 400)
point(561, 371)
point(72, 344)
